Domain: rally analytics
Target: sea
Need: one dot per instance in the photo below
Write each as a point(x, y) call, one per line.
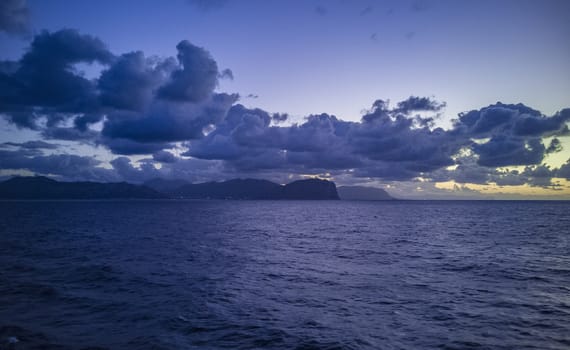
point(195, 274)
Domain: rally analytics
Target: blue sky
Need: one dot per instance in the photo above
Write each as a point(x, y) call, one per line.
point(337, 56)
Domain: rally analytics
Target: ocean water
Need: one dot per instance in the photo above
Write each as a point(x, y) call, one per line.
point(284, 275)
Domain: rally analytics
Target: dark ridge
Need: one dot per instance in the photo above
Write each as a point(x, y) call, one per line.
point(231, 189)
point(165, 186)
point(363, 193)
point(310, 189)
point(39, 187)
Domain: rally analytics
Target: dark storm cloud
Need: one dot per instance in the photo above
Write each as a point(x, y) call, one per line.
point(247, 141)
point(503, 150)
point(385, 171)
point(387, 136)
point(144, 100)
point(38, 144)
point(14, 16)
point(184, 105)
point(67, 166)
point(564, 171)
point(143, 105)
point(44, 82)
point(130, 82)
point(514, 133)
point(279, 117)
point(195, 80)
point(517, 120)
point(535, 125)
point(82, 122)
point(129, 147)
point(418, 104)
point(386, 144)
point(165, 121)
point(164, 157)
point(69, 134)
point(226, 74)
point(555, 146)
point(126, 170)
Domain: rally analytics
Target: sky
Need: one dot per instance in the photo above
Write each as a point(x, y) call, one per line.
point(425, 98)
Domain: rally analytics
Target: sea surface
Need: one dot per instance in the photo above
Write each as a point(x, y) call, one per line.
point(284, 275)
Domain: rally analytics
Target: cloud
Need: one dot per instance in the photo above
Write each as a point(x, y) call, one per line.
point(164, 157)
point(65, 166)
point(167, 121)
point(502, 151)
point(388, 136)
point(129, 83)
point(14, 16)
point(516, 120)
point(555, 146)
point(129, 147)
point(279, 117)
point(44, 82)
point(564, 171)
point(195, 80)
point(35, 145)
point(157, 102)
point(144, 105)
point(226, 74)
point(514, 133)
point(537, 125)
point(126, 170)
point(417, 104)
point(70, 134)
point(247, 140)
point(386, 144)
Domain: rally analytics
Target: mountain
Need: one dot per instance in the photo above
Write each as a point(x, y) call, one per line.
point(310, 189)
point(39, 187)
point(362, 193)
point(165, 186)
point(231, 189)
point(258, 189)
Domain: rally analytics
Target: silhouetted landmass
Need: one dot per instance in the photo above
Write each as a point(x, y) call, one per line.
point(165, 186)
point(39, 187)
point(232, 189)
point(258, 189)
point(310, 189)
point(362, 193)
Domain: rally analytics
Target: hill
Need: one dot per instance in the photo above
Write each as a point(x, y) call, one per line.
point(362, 193)
point(258, 189)
point(39, 187)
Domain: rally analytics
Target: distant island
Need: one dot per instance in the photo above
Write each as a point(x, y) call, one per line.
point(40, 187)
point(247, 189)
point(363, 193)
